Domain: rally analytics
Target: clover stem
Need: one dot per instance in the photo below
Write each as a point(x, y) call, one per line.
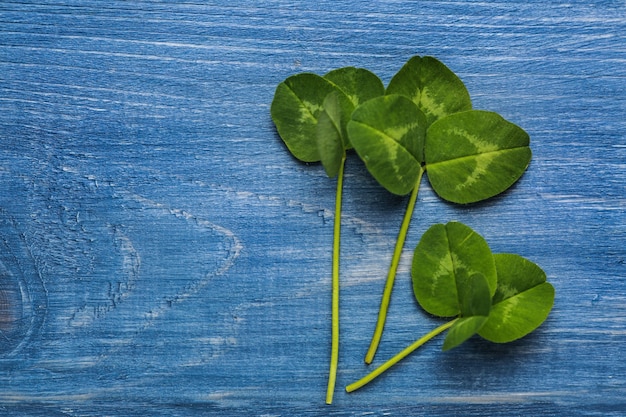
point(398, 357)
point(395, 260)
point(334, 350)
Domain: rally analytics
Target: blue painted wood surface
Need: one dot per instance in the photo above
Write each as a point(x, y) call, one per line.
point(161, 253)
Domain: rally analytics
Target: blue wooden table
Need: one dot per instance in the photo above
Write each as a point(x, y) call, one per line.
point(162, 254)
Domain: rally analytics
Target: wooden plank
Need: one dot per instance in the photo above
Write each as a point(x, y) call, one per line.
point(161, 252)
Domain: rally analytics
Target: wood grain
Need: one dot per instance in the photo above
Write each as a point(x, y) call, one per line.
point(161, 253)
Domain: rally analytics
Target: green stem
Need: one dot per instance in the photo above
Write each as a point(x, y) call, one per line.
point(334, 350)
point(395, 260)
point(403, 354)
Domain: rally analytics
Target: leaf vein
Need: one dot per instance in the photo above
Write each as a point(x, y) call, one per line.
point(460, 158)
point(387, 137)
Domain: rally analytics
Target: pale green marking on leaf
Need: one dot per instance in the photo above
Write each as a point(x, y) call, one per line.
point(431, 106)
point(459, 264)
point(310, 111)
point(392, 137)
point(446, 269)
point(391, 150)
point(446, 266)
point(481, 145)
point(397, 132)
point(506, 291)
point(483, 161)
point(507, 310)
point(392, 147)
